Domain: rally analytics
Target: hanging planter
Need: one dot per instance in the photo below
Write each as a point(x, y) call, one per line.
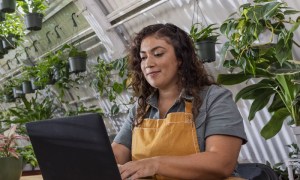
point(34, 85)
point(9, 42)
point(205, 50)
point(26, 87)
point(2, 16)
point(8, 6)
point(77, 60)
point(33, 21)
point(8, 98)
point(77, 64)
point(205, 39)
point(18, 92)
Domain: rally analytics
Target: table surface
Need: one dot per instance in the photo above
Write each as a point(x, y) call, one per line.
point(34, 177)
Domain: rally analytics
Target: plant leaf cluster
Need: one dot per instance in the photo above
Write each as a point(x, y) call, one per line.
point(111, 79)
point(202, 33)
point(32, 6)
point(270, 65)
point(8, 144)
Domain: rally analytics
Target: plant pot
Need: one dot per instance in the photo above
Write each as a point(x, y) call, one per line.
point(11, 168)
point(8, 6)
point(8, 98)
point(9, 42)
point(17, 91)
point(206, 51)
point(77, 64)
point(26, 87)
point(33, 21)
point(2, 16)
point(33, 84)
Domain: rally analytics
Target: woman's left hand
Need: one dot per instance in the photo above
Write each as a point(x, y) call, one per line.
point(138, 169)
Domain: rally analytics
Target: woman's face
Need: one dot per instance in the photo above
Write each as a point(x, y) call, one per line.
point(159, 63)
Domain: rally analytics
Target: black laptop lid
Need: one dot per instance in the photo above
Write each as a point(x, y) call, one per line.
point(73, 148)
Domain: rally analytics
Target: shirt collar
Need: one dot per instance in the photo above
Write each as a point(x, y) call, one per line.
point(152, 100)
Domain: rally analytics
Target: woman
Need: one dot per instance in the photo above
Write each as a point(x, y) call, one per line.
point(183, 126)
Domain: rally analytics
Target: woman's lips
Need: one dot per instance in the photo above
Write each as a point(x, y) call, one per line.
point(153, 73)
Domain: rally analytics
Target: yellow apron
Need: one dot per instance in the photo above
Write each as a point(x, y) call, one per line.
point(173, 136)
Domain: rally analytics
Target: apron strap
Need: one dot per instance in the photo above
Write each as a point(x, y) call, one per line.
point(188, 107)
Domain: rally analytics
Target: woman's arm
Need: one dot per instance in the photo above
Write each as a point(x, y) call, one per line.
point(121, 152)
point(217, 162)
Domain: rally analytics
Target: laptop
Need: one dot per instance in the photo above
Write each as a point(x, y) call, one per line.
point(73, 148)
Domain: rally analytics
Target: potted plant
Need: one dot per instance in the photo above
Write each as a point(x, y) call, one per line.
point(10, 162)
point(26, 85)
point(29, 158)
point(8, 6)
point(34, 12)
point(31, 110)
point(50, 69)
point(77, 60)
point(16, 85)
point(30, 72)
point(12, 31)
point(272, 68)
point(204, 39)
point(7, 91)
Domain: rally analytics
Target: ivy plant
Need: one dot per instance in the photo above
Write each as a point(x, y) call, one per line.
point(110, 81)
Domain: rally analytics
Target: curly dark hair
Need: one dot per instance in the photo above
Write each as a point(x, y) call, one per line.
point(193, 76)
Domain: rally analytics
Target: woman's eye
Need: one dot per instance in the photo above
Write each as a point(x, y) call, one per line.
point(158, 54)
point(143, 58)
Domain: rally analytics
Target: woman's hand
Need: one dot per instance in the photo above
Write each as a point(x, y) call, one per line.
point(140, 168)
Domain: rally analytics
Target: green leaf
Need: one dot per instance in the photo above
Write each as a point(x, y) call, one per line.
point(290, 12)
point(287, 88)
point(231, 79)
point(271, 9)
point(223, 52)
point(260, 102)
point(252, 90)
point(223, 28)
point(118, 87)
point(114, 109)
point(275, 123)
point(284, 69)
point(283, 51)
point(276, 104)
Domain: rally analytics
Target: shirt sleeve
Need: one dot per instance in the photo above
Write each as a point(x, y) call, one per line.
point(223, 116)
point(124, 136)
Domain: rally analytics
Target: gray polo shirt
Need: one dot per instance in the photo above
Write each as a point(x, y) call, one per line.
point(218, 115)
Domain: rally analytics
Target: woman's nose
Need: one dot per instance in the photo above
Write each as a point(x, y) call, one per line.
point(149, 62)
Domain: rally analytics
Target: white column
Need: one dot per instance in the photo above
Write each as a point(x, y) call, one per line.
point(98, 21)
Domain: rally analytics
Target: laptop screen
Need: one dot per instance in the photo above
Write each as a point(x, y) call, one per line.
point(73, 148)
